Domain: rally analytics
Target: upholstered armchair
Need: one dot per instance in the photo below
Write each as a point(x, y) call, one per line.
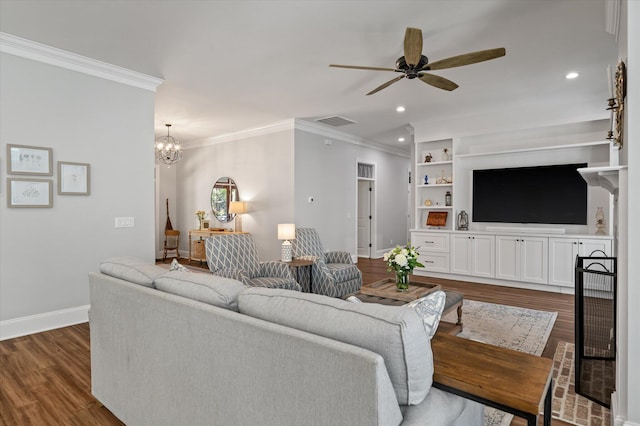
point(333, 273)
point(235, 256)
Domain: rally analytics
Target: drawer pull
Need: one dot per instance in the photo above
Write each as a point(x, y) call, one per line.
point(430, 242)
point(428, 261)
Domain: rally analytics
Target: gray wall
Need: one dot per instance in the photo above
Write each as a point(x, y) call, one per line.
point(46, 253)
point(276, 171)
point(262, 167)
point(327, 171)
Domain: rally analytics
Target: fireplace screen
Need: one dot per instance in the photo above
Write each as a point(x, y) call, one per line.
point(595, 320)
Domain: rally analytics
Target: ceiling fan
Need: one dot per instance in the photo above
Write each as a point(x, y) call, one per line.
point(414, 64)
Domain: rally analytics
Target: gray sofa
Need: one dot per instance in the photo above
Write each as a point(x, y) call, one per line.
point(186, 348)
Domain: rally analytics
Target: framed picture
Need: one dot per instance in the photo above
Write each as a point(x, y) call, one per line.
point(437, 218)
point(73, 178)
point(205, 224)
point(29, 192)
point(29, 160)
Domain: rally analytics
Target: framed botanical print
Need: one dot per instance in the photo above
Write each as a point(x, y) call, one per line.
point(73, 178)
point(25, 192)
point(29, 160)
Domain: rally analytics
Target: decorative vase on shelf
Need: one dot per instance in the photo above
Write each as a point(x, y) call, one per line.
point(445, 154)
point(600, 221)
point(402, 280)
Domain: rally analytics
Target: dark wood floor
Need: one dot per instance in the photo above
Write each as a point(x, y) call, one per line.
point(45, 378)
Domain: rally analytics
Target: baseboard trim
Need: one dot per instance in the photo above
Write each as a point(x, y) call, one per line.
point(23, 326)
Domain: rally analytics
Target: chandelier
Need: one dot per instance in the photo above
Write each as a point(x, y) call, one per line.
point(168, 149)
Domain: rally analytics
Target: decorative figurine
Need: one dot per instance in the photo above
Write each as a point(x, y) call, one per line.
point(426, 180)
point(600, 222)
point(427, 158)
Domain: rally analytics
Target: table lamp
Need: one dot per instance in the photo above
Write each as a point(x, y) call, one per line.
point(237, 208)
point(286, 232)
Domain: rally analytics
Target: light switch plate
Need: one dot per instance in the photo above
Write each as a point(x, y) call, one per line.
point(125, 222)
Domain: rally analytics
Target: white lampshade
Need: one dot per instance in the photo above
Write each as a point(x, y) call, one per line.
point(286, 231)
point(237, 207)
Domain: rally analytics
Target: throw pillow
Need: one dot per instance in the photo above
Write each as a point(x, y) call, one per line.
point(176, 266)
point(429, 308)
point(353, 299)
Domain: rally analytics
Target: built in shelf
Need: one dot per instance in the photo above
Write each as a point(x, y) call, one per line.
point(435, 185)
point(434, 207)
point(605, 177)
point(436, 163)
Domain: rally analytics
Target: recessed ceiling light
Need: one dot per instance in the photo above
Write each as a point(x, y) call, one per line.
point(400, 108)
point(572, 75)
point(400, 139)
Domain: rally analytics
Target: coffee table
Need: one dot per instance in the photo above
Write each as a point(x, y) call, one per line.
point(384, 292)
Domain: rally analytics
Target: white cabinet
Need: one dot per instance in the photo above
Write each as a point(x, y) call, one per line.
point(434, 250)
point(473, 254)
point(563, 252)
point(522, 258)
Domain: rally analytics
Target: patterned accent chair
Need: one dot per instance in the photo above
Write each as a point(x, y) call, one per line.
point(235, 256)
point(333, 273)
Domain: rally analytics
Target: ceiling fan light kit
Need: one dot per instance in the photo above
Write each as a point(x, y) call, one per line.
point(415, 65)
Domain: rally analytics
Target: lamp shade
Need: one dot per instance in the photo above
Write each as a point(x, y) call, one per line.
point(286, 231)
point(237, 207)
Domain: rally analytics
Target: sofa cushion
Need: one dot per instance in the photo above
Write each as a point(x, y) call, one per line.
point(206, 288)
point(395, 333)
point(131, 269)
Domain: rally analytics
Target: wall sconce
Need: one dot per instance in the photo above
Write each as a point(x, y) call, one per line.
point(286, 232)
point(237, 208)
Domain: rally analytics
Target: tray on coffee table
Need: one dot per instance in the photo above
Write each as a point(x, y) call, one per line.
point(386, 289)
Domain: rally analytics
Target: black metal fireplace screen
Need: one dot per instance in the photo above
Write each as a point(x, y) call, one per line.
point(595, 321)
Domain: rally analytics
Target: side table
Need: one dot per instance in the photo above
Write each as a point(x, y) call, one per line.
point(298, 263)
point(515, 382)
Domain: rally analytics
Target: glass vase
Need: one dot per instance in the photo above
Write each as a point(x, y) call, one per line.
point(402, 281)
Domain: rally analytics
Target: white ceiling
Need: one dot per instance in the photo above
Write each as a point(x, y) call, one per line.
point(235, 65)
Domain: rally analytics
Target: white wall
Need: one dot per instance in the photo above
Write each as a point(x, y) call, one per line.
point(327, 171)
point(46, 254)
point(262, 167)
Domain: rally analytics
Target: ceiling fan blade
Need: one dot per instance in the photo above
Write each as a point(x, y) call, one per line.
point(437, 81)
point(466, 59)
point(412, 46)
point(356, 67)
point(385, 85)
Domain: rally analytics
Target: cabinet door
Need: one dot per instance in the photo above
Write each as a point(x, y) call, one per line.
point(507, 257)
point(534, 259)
point(483, 249)
point(587, 247)
point(562, 260)
point(461, 254)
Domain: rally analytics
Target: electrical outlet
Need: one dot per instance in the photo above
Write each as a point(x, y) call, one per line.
point(125, 222)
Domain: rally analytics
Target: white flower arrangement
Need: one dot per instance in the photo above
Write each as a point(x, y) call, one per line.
point(201, 215)
point(402, 259)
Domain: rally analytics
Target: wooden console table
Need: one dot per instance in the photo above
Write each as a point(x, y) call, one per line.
point(196, 248)
point(511, 381)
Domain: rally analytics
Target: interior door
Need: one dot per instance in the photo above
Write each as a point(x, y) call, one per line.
point(365, 189)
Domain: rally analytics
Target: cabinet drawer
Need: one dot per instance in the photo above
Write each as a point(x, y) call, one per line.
point(431, 242)
point(434, 261)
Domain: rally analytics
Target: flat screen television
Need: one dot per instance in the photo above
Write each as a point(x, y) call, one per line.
point(554, 194)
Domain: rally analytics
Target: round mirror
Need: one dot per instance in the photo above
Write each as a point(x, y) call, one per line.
point(223, 192)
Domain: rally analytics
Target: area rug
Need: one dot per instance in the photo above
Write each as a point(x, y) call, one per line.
point(567, 405)
point(520, 329)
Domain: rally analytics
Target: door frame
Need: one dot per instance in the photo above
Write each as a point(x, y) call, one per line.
point(373, 210)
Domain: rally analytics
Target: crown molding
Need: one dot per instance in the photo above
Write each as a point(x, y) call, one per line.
point(612, 17)
point(53, 56)
point(322, 130)
point(276, 127)
point(296, 124)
